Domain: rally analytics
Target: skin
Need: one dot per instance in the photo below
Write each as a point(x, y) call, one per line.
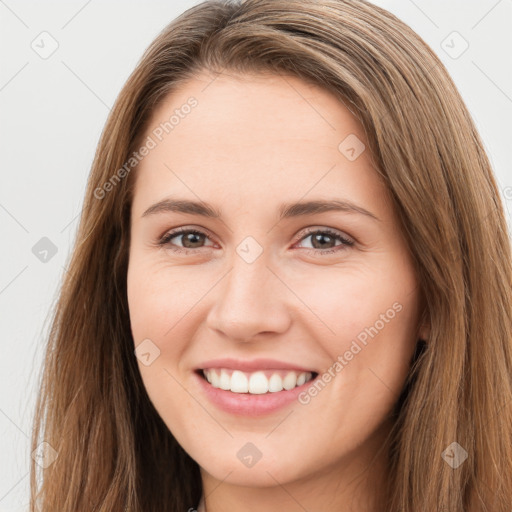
point(252, 143)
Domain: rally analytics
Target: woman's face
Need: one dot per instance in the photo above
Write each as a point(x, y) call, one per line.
point(303, 273)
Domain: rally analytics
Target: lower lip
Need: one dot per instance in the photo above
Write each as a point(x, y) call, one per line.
point(246, 404)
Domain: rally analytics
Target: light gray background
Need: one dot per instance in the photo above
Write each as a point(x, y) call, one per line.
point(52, 114)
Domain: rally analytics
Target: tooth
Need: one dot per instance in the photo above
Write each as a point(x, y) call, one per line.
point(275, 383)
point(258, 383)
point(290, 380)
point(239, 382)
point(215, 378)
point(301, 378)
point(224, 380)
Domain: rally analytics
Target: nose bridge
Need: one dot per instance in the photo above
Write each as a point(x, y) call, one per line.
point(249, 300)
point(248, 279)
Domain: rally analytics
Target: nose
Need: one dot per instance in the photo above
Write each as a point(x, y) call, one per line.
point(249, 302)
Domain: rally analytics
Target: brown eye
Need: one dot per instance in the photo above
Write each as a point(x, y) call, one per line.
point(190, 239)
point(324, 241)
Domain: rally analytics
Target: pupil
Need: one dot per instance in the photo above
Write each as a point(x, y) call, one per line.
point(189, 238)
point(318, 238)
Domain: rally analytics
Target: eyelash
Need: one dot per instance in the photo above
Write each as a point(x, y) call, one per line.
point(345, 242)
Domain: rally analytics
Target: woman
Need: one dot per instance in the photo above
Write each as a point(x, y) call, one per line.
point(210, 351)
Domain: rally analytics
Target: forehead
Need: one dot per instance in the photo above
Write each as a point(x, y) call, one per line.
point(255, 108)
point(259, 135)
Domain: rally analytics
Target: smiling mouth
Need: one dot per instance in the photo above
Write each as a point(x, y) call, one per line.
point(257, 382)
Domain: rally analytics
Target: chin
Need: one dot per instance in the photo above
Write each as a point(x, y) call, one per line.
point(262, 474)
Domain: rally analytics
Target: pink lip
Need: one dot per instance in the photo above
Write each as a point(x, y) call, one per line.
point(251, 366)
point(246, 404)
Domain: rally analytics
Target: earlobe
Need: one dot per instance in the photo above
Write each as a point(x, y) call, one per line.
point(424, 322)
point(424, 333)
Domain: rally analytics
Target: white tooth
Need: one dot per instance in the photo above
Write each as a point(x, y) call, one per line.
point(224, 380)
point(275, 383)
point(290, 380)
point(255, 383)
point(258, 383)
point(301, 378)
point(239, 382)
point(215, 378)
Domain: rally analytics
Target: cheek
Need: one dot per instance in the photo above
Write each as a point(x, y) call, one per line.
point(153, 308)
point(159, 298)
point(158, 323)
point(347, 303)
point(364, 321)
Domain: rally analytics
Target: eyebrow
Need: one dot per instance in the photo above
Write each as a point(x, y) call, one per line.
point(286, 211)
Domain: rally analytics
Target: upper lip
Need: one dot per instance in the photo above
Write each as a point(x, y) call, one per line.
point(252, 365)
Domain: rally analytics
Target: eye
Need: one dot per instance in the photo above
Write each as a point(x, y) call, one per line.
point(190, 238)
point(323, 241)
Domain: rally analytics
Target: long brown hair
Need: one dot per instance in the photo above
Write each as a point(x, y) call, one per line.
point(114, 451)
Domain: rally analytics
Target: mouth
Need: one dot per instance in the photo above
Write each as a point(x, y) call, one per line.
point(258, 382)
point(253, 388)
